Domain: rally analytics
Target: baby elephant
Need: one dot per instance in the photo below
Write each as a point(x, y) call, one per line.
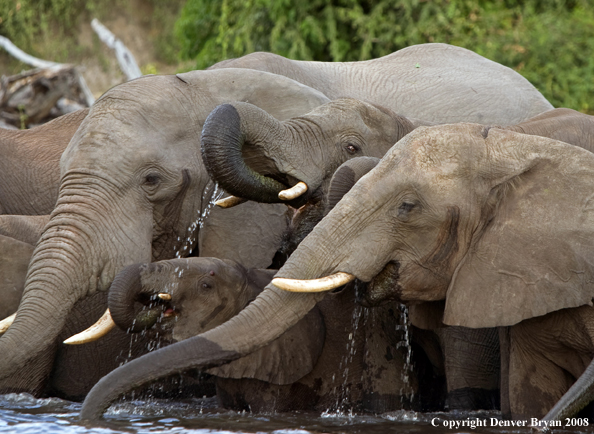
point(321, 363)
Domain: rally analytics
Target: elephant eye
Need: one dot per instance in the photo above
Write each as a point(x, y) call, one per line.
point(152, 179)
point(206, 285)
point(352, 149)
point(404, 209)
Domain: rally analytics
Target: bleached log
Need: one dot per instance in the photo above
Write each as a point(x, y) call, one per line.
point(125, 58)
point(20, 55)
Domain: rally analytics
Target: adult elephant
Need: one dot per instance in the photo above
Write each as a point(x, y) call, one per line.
point(181, 298)
point(134, 189)
point(460, 213)
point(435, 82)
point(29, 164)
point(479, 230)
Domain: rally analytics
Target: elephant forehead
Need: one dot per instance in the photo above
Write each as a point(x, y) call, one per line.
point(443, 148)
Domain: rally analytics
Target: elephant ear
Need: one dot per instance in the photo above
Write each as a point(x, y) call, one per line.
point(286, 359)
point(535, 251)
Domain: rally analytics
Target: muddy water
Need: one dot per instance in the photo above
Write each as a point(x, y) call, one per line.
point(22, 414)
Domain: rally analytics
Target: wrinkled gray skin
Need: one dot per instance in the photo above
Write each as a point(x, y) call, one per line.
point(24, 228)
point(434, 82)
point(14, 260)
point(471, 215)
point(298, 370)
point(75, 369)
point(29, 164)
point(132, 185)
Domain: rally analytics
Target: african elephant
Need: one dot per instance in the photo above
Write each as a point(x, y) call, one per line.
point(29, 164)
point(298, 370)
point(134, 189)
point(470, 356)
point(470, 215)
point(434, 82)
point(496, 223)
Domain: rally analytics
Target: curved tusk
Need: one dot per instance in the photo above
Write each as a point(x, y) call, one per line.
point(7, 322)
point(164, 296)
point(230, 201)
point(97, 330)
point(293, 192)
point(315, 285)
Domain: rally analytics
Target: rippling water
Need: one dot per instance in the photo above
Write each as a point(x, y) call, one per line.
point(23, 414)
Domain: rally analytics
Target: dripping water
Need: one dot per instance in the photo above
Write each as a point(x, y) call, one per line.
point(343, 405)
point(407, 371)
point(212, 192)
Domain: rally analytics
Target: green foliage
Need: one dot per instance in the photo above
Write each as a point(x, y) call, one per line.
point(548, 41)
point(30, 23)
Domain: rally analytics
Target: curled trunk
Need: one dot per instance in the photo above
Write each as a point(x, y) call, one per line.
point(223, 139)
point(125, 290)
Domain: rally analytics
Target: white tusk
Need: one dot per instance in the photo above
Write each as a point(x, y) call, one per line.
point(315, 285)
point(230, 201)
point(164, 296)
point(97, 330)
point(7, 322)
point(293, 192)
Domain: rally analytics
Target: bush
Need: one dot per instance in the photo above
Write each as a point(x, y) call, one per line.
point(547, 41)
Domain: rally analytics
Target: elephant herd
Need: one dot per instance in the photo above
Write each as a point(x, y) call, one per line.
point(432, 178)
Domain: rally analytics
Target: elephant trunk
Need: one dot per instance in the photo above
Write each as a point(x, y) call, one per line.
point(273, 312)
point(227, 133)
point(68, 264)
point(580, 394)
point(43, 312)
point(125, 290)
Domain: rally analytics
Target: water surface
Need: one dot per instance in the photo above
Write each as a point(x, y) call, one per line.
point(23, 414)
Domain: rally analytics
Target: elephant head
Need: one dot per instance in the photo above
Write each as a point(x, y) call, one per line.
point(256, 157)
point(133, 189)
point(454, 209)
point(187, 295)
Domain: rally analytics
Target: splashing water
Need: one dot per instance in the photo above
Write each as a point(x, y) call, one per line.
point(212, 192)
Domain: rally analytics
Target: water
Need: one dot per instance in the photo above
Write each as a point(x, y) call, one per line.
point(22, 414)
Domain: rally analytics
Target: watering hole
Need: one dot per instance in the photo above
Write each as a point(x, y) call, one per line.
point(23, 414)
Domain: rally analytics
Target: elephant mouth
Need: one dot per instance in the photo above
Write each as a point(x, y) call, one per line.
point(157, 315)
point(382, 288)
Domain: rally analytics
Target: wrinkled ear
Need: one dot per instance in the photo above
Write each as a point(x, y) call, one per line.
point(285, 360)
point(534, 253)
